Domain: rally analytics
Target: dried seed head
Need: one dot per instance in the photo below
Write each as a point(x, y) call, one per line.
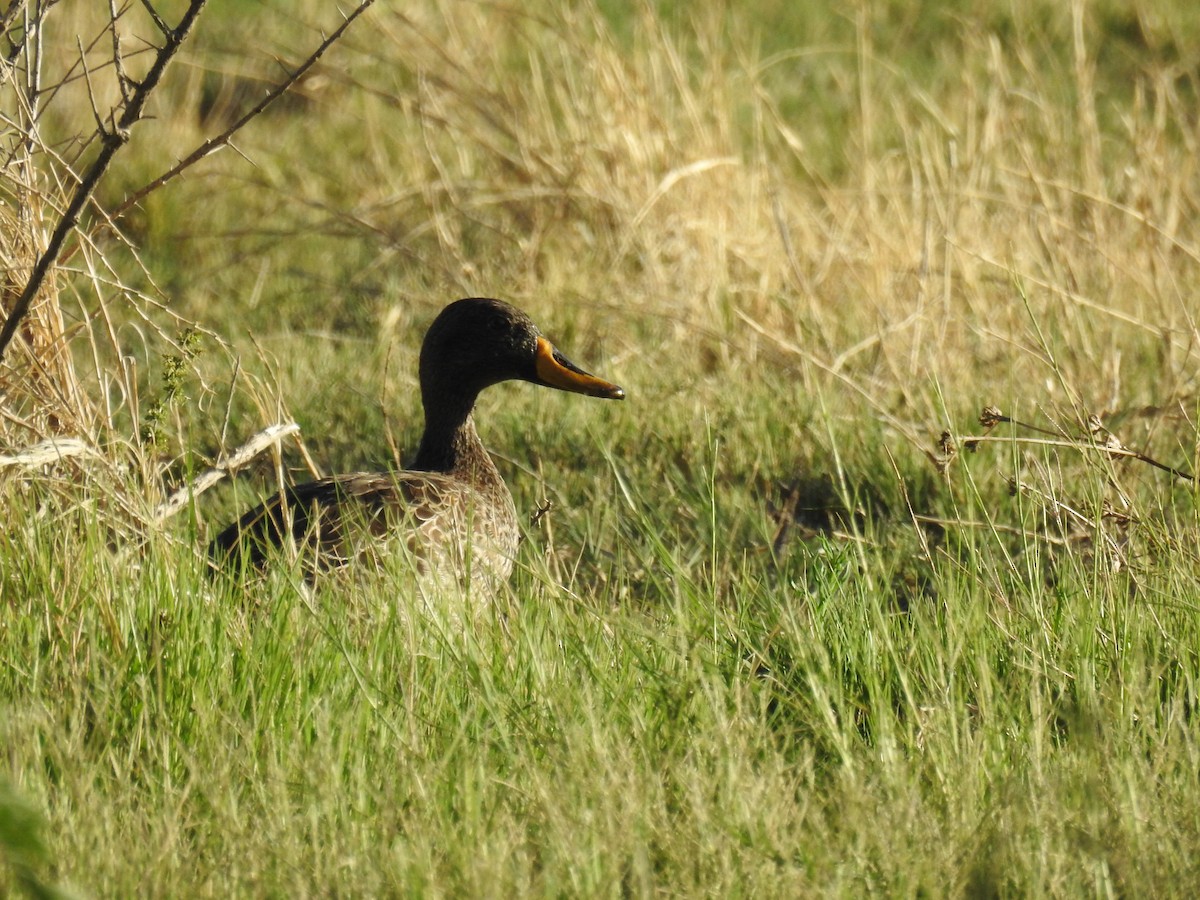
point(1102, 435)
point(991, 417)
point(946, 451)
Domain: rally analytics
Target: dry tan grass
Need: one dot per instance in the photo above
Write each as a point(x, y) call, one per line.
point(41, 392)
point(968, 240)
point(978, 247)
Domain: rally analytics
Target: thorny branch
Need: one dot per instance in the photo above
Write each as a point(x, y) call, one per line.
point(111, 141)
point(213, 144)
point(134, 96)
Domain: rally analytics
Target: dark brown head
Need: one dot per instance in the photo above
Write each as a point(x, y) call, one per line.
point(477, 342)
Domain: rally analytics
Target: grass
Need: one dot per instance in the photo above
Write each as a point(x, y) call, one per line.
point(771, 639)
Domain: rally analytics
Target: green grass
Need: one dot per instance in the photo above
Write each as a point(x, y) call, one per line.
point(684, 713)
point(770, 640)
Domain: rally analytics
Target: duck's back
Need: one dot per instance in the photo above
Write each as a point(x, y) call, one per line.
point(453, 530)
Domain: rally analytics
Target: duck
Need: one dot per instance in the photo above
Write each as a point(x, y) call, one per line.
point(450, 508)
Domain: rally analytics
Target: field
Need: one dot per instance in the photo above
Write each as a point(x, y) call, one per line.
point(793, 621)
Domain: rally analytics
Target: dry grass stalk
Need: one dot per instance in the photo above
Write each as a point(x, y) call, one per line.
point(39, 389)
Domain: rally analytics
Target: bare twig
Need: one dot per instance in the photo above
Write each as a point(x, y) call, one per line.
point(87, 77)
point(970, 442)
point(158, 20)
point(33, 76)
point(538, 514)
point(10, 15)
point(991, 417)
point(213, 144)
point(268, 437)
point(1100, 439)
point(123, 80)
point(111, 141)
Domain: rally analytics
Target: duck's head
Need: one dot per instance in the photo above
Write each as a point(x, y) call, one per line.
point(478, 342)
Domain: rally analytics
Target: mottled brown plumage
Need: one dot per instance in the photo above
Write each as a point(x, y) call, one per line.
point(451, 509)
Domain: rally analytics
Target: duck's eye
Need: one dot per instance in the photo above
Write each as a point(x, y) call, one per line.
point(498, 326)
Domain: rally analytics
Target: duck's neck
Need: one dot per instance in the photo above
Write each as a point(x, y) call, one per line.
point(451, 445)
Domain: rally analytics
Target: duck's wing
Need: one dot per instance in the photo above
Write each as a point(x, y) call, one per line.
point(331, 515)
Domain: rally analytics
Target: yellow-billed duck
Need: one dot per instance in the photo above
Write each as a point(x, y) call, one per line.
point(450, 507)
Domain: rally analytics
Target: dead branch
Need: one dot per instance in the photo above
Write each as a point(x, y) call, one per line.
point(46, 452)
point(111, 140)
point(268, 437)
point(213, 144)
